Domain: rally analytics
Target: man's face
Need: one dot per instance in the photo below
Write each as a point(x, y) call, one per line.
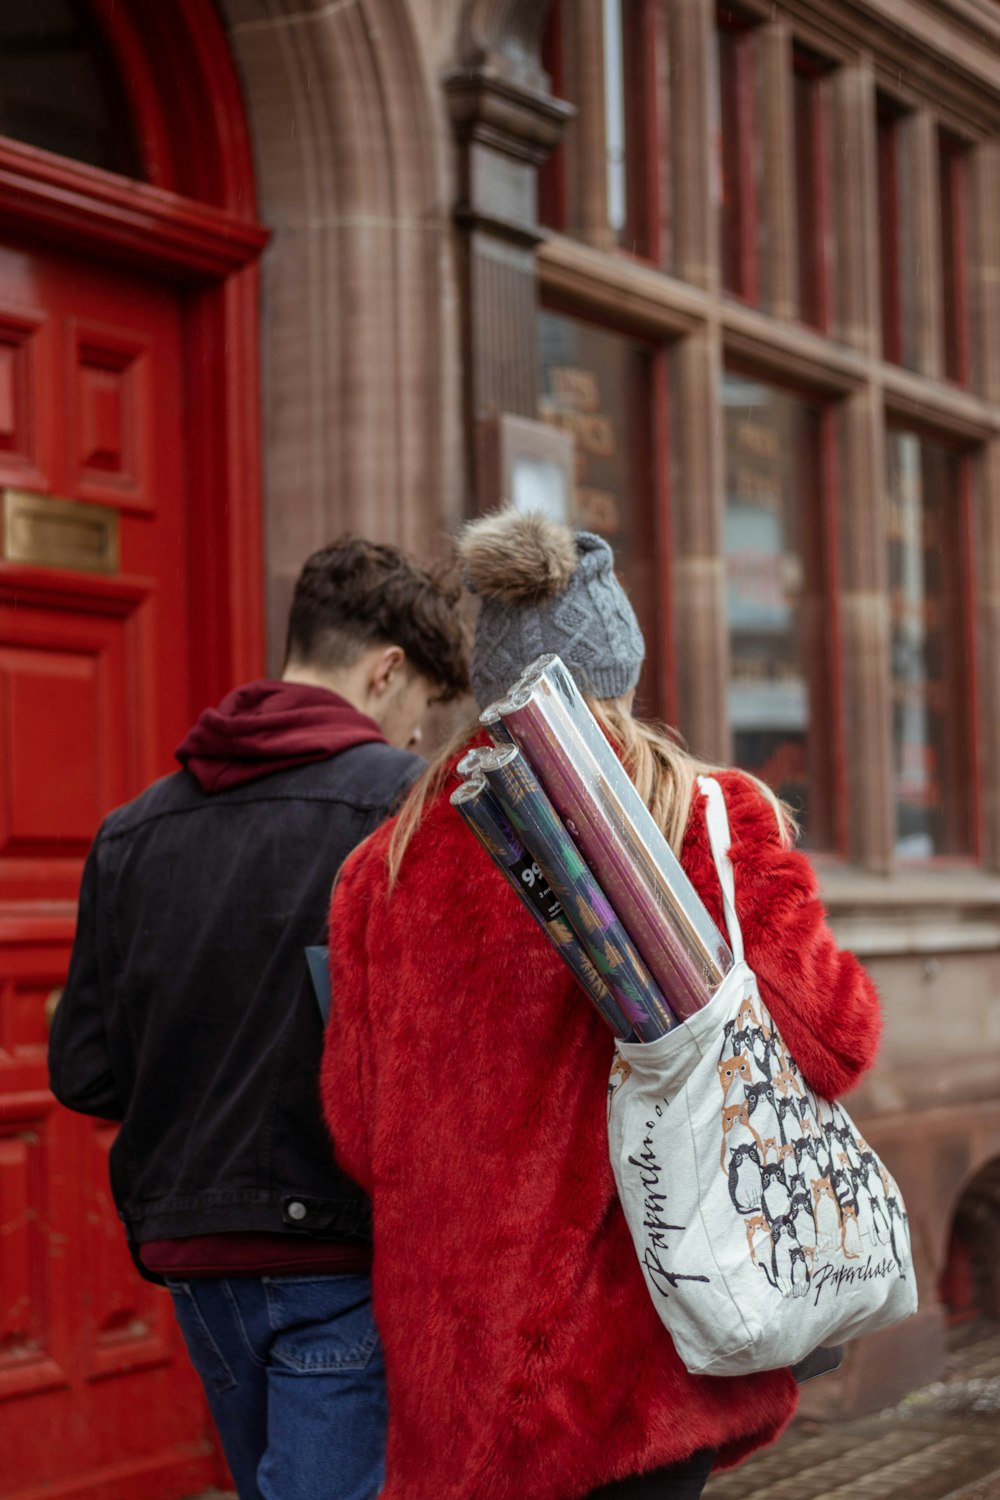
point(402, 711)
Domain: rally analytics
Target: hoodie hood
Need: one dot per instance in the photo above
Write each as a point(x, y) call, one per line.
point(264, 727)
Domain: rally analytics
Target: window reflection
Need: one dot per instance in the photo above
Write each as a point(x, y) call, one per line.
point(930, 768)
point(779, 620)
point(597, 385)
point(58, 86)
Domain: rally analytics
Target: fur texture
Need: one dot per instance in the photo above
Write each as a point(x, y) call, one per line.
point(517, 558)
point(465, 1081)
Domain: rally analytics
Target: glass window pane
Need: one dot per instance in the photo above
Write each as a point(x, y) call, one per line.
point(929, 667)
point(735, 147)
point(596, 184)
point(777, 606)
point(598, 386)
point(952, 161)
point(811, 187)
point(59, 88)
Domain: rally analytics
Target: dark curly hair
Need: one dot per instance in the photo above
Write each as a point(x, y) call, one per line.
point(355, 594)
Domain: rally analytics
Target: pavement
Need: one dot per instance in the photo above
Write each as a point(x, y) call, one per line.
point(941, 1443)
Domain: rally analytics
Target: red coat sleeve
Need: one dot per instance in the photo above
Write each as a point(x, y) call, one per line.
point(822, 999)
point(347, 1075)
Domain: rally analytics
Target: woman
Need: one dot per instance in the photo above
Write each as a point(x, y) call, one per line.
point(465, 1082)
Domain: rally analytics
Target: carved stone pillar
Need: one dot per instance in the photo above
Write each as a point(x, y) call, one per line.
point(779, 237)
point(921, 311)
point(857, 314)
point(506, 122)
point(985, 326)
point(865, 635)
point(699, 562)
point(695, 240)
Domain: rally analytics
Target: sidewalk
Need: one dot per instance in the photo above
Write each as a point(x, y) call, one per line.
point(940, 1443)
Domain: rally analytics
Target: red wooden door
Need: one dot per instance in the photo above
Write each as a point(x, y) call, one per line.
point(96, 1396)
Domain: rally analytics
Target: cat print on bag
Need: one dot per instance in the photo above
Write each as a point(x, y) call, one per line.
point(813, 1195)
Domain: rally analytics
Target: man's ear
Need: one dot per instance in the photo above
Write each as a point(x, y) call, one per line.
point(385, 669)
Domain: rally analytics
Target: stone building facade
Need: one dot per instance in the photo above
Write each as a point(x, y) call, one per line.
point(754, 271)
point(718, 278)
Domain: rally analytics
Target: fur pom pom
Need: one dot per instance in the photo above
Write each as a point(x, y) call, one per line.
point(517, 558)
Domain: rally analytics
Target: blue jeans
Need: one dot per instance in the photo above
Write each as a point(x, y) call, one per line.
point(292, 1368)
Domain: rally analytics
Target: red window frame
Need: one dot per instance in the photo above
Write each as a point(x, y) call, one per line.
point(739, 227)
point(640, 237)
point(812, 187)
point(887, 119)
point(952, 186)
point(966, 690)
point(821, 554)
point(660, 699)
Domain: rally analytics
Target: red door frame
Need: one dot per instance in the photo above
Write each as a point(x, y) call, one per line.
point(192, 222)
point(195, 222)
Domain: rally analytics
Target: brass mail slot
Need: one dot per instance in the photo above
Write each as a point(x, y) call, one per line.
point(59, 533)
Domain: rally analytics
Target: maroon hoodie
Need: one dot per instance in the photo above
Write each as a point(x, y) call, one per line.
point(269, 726)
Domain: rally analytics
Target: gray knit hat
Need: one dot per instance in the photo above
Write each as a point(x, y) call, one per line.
point(546, 588)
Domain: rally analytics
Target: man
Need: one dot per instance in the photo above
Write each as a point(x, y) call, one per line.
point(189, 1015)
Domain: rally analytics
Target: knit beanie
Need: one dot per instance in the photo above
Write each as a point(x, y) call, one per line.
point(546, 588)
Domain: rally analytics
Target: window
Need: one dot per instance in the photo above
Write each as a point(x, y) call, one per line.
point(778, 605)
point(930, 678)
point(951, 185)
point(601, 183)
point(735, 152)
point(599, 386)
point(899, 258)
point(811, 179)
point(823, 210)
point(59, 88)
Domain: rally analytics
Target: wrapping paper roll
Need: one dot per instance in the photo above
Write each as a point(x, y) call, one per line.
point(491, 720)
point(537, 824)
point(479, 808)
point(632, 861)
point(469, 764)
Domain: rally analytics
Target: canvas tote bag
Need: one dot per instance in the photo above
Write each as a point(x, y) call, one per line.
point(765, 1225)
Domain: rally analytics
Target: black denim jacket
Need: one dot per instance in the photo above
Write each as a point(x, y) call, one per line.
point(188, 1013)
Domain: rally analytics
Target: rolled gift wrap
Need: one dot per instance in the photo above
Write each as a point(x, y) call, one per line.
point(469, 764)
point(491, 720)
point(537, 824)
point(479, 808)
point(635, 866)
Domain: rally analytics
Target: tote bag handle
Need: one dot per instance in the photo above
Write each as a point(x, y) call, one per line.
point(720, 840)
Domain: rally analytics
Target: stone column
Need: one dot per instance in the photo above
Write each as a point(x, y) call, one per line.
point(984, 314)
point(586, 143)
point(506, 123)
point(865, 635)
point(854, 165)
point(699, 565)
point(696, 169)
point(864, 597)
point(779, 227)
point(921, 308)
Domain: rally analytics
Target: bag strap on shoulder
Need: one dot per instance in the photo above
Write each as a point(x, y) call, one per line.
point(720, 839)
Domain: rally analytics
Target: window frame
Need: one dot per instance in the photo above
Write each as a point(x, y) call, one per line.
point(661, 650)
point(966, 637)
point(823, 540)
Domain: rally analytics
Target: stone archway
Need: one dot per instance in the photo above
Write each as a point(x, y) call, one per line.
point(360, 343)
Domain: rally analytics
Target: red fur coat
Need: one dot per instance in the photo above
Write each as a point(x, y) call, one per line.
point(465, 1083)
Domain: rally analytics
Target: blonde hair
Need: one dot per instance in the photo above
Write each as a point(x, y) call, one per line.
point(663, 770)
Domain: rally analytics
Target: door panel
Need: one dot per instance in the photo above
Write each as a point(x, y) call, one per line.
point(96, 1395)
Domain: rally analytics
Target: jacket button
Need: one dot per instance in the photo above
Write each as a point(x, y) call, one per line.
point(297, 1210)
